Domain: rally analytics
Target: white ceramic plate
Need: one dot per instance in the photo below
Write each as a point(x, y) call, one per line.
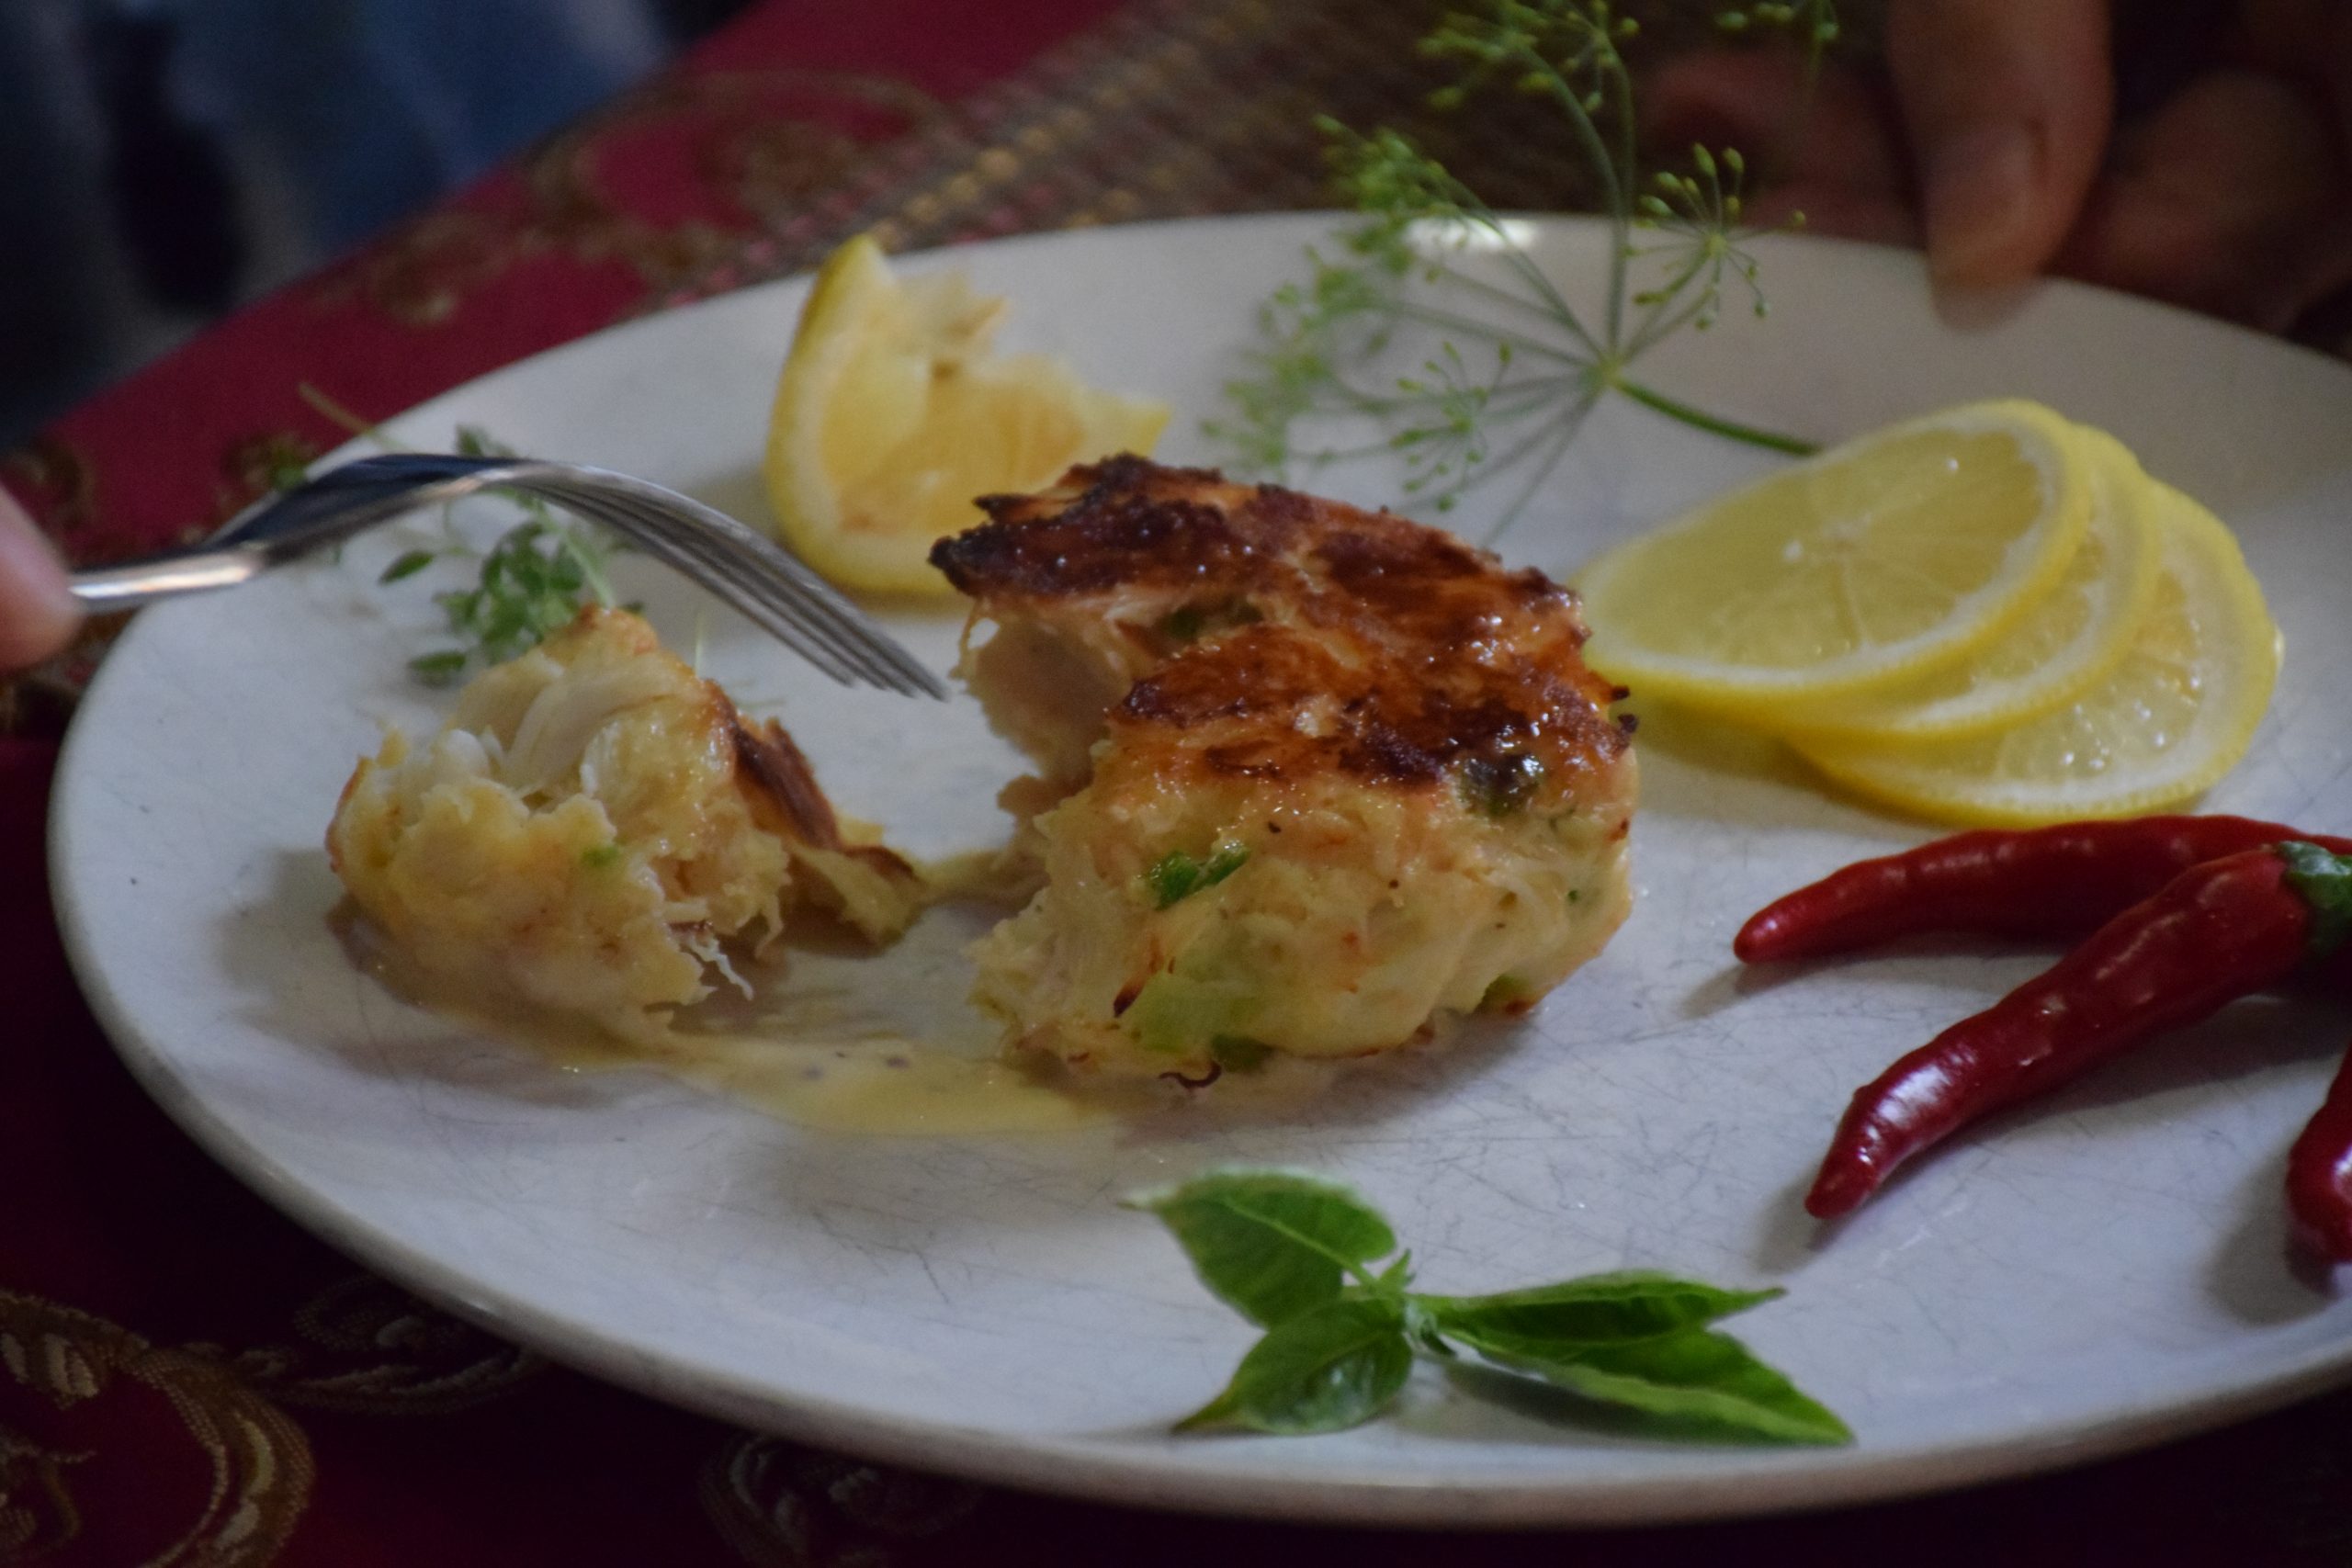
point(2104, 1270)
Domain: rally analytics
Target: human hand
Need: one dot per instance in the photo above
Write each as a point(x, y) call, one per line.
point(38, 613)
point(1991, 139)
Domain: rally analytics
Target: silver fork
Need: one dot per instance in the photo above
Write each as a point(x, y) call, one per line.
point(746, 568)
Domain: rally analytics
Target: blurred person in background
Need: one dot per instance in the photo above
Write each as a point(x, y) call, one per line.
point(163, 161)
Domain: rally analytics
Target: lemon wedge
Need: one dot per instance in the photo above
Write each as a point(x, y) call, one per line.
point(1856, 568)
point(2174, 715)
point(2066, 642)
point(892, 413)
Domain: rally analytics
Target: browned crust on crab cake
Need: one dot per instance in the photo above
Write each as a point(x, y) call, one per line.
point(1285, 637)
point(777, 765)
point(1123, 524)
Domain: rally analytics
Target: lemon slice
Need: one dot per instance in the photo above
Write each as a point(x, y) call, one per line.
point(2066, 642)
point(1855, 569)
point(892, 414)
point(2175, 716)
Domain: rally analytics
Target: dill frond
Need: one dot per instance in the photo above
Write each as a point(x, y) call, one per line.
point(1512, 370)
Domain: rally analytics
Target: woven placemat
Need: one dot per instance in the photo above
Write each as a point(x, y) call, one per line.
point(1185, 108)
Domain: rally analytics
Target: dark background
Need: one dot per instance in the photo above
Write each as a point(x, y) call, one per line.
point(163, 161)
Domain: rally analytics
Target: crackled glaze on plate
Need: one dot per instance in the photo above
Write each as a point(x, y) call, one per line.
point(2103, 1270)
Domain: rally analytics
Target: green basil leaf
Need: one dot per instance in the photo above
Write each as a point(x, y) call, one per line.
point(1272, 1244)
point(1335, 1367)
point(1601, 1309)
point(1698, 1378)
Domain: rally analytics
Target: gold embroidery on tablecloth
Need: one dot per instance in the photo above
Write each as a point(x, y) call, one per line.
point(260, 1462)
point(38, 1514)
point(771, 166)
point(1171, 109)
point(773, 138)
point(782, 1506)
point(366, 1346)
point(419, 275)
point(58, 486)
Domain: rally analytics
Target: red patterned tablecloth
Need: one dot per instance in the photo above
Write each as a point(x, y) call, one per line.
point(185, 1378)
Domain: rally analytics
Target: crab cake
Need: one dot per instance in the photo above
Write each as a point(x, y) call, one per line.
point(590, 827)
point(1309, 775)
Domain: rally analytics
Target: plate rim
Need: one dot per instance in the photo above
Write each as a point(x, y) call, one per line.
point(1776, 1481)
point(1767, 1481)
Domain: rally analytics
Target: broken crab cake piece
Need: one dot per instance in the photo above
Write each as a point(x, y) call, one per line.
point(589, 827)
point(1321, 773)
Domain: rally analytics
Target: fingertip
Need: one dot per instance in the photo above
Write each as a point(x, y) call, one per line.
point(1983, 227)
point(2008, 105)
point(38, 610)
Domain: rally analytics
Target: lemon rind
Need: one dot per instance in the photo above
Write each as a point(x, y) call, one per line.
point(2055, 447)
point(2205, 556)
point(807, 503)
point(2120, 483)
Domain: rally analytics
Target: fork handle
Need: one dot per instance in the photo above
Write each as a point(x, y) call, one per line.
point(134, 584)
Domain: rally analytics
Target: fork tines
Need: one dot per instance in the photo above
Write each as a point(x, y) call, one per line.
point(746, 569)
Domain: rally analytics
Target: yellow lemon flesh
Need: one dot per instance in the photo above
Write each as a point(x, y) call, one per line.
point(892, 414)
point(2174, 715)
point(2066, 642)
point(1855, 569)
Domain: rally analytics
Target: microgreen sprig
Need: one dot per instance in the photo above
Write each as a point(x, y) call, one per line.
point(532, 581)
point(1302, 1258)
point(1516, 369)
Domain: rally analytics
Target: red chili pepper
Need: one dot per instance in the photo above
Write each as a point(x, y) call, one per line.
point(2048, 882)
point(2319, 1174)
point(2216, 932)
